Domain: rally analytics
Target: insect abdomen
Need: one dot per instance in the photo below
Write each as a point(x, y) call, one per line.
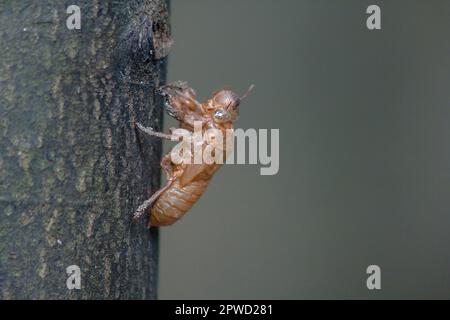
point(175, 202)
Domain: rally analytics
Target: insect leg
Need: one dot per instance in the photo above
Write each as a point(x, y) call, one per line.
point(150, 132)
point(166, 165)
point(148, 203)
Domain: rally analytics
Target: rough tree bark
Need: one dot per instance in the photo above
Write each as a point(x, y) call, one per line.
point(72, 167)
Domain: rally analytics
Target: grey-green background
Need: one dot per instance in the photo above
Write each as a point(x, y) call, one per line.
point(364, 178)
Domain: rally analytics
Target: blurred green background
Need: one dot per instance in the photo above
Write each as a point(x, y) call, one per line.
point(364, 178)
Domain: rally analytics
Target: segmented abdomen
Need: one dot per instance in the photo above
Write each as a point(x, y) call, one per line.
point(175, 202)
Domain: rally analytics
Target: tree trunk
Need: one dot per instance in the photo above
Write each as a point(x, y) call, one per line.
point(72, 167)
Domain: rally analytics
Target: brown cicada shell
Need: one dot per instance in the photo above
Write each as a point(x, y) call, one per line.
point(186, 182)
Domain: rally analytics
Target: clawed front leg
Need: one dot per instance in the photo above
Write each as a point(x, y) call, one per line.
point(150, 132)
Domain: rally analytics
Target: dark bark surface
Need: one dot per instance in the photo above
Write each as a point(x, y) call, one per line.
point(72, 168)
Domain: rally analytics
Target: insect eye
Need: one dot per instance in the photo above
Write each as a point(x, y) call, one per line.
point(221, 115)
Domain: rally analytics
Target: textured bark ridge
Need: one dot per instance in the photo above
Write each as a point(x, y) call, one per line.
point(72, 168)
